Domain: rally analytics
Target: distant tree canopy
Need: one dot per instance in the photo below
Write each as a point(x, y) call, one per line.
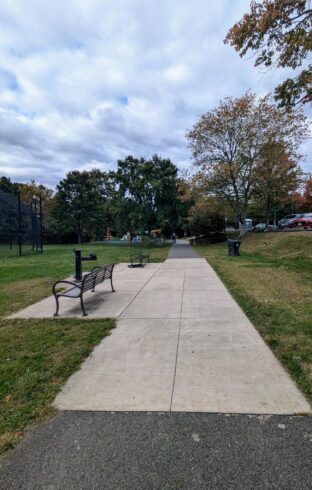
point(139, 196)
point(8, 186)
point(245, 151)
point(280, 32)
point(33, 190)
point(28, 191)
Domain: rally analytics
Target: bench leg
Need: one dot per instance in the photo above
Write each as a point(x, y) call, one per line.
point(113, 290)
point(57, 306)
point(82, 307)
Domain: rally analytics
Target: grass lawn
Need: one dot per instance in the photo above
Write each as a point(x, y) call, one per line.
point(272, 282)
point(37, 356)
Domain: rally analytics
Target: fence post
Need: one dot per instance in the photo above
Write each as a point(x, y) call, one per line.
point(32, 224)
point(41, 233)
point(19, 223)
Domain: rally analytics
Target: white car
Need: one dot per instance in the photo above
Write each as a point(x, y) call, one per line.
point(264, 227)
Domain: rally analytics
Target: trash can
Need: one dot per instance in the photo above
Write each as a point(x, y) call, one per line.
point(233, 246)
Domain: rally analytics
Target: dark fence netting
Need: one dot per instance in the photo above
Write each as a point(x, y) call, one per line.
point(20, 225)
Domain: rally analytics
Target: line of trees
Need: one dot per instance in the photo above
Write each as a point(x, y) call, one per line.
point(141, 195)
point(242, 171)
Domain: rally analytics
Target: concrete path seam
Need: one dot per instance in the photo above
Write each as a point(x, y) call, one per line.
point(178, 341)
point(134, 297)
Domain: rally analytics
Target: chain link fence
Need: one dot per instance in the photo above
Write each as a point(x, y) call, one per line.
point(20, 225)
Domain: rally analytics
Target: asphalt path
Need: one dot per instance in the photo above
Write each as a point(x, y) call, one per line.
point(103, 450)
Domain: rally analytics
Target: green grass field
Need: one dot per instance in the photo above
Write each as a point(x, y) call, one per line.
point(38, 356)
point(272, 282)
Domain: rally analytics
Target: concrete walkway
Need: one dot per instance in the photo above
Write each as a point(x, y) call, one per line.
point(182, 344)
point(207, 358)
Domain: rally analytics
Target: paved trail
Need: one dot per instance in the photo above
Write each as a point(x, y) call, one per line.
point(182, 346)
point(182, 250)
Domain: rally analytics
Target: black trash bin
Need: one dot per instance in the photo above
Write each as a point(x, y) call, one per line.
point(233, 247)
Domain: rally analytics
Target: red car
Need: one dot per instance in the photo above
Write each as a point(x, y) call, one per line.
point(305, 223)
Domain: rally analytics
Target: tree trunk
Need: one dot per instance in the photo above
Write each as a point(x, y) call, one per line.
point(79, 235)
point(241, 220)
point(242, 227)
point(268, 211)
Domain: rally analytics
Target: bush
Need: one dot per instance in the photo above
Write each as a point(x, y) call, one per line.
point(205, 220)
point(208, 239)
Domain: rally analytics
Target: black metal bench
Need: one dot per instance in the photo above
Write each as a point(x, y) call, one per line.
point(138, 260)
point(88, 283)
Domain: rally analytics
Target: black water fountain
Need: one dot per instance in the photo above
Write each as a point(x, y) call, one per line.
point(78, 260)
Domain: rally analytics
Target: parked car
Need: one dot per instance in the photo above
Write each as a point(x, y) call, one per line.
point(287, 220)
point(305, 222)
point(264, 227)
point(248, 224)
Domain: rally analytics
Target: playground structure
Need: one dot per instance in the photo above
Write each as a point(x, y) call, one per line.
point(20, 224)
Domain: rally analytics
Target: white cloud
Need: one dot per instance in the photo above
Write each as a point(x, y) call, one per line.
point(83, 83)
point(177, 73)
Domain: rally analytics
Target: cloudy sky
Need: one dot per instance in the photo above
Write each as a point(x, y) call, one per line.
point(85, 82)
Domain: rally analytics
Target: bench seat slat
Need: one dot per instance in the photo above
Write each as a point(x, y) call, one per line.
point(71, 293)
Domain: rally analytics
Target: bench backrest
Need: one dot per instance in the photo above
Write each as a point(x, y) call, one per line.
point(96, 276)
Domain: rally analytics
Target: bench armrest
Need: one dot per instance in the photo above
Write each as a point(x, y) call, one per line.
point(64, 282)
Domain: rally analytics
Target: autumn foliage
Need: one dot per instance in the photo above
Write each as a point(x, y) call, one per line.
point(306, 199)
point(247, 147)
point(279, 32)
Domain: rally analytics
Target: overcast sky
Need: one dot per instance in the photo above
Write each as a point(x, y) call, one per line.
point(85, 82)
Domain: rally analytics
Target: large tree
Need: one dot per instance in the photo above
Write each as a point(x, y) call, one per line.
point(79, 201)
point(228, 144)
point(146, 193)
point(279, 31)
